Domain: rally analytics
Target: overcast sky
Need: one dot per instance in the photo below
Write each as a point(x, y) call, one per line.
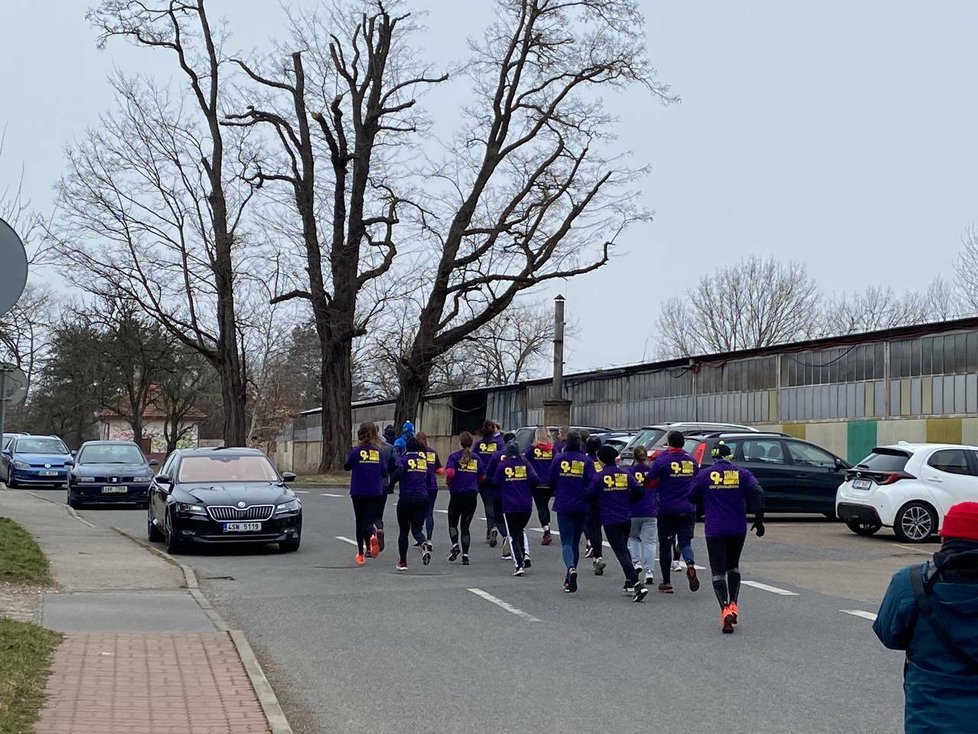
point(841, 134)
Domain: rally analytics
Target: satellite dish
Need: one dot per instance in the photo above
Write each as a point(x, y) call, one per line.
point(14, 383)
point(13, 267)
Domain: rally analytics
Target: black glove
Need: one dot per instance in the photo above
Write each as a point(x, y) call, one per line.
point(758, 528)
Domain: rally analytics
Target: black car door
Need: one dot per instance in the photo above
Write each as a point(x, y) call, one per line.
point(158, 492)
point(817, 477)
point(765, 459)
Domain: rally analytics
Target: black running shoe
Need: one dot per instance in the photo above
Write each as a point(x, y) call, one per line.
point(526, 562)
point(380, 540)
point(465, 560)
point(425, 554)
point(641, 591)
point(589, 551)
point(694, 583)
point(453, 556)
point(493, 538)
point(599, 566)
point(628, 588)
point(571, 585)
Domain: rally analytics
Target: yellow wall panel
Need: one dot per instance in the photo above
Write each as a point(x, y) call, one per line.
point(944, 430)
point(794, 429)
point(831, 436)
point(889, 432)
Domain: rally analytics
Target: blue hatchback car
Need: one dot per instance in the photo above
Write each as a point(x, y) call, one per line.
point(35, 461)
point(109, 472)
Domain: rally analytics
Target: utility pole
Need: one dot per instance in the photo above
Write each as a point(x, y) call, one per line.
point(557, 410)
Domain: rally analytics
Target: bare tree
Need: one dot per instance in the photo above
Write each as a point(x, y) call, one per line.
point(966, 270)
point(336, 136)
point(25, 330)
point(179, 391)
point(872, 309)
point(153, 201)
point(528, 193)
point(754, 303)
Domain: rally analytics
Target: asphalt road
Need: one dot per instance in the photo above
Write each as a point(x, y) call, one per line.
point(353, 649)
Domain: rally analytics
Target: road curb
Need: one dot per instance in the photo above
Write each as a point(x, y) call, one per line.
point(70, 510)
point(272, 709)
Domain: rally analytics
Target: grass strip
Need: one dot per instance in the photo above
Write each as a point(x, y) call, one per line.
point(21, 560)
point(25, 659)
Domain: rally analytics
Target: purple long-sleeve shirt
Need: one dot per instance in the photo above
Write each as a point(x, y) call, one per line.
point(648, 506)
point(727, 492)
point(613, 487)
point(515, 479)
point(541, 456)
point(413, 470)
point(673, 472)
point(465, 475)
point(366, 471)
point(570, 476)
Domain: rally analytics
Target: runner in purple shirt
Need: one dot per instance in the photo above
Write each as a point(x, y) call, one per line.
point(728, 494)
point(366, 468)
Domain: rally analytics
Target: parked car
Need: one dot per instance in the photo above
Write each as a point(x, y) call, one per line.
point(222, 495)
point(653, 437)
point(797, 476)
point(908, 487)
point(524, 435)
point(618, 439)
point(8, 437)
point(35, 461)
point(114, 472)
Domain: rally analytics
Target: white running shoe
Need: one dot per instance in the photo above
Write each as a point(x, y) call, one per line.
point(678, 566)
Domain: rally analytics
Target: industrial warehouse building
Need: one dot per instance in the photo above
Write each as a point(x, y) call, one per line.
point(847, 394)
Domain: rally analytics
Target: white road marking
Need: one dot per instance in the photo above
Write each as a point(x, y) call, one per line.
point(328, 494)
point(301, 491)
point(915, 549)
point(443, 512)
point(772, 589)
point(504, 605)
point(346, 540)
point(860, 613)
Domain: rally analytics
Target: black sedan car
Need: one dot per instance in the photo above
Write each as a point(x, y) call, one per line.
point(223, 495)
point(109, 472)
point(797, 476)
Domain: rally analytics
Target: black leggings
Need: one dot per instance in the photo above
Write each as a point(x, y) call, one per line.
point(592, 531)
point(675, 529)
point(618, 540)
point(515, 526)
point(485, 491)
point(365, 513)
point(411, 512)
point(725, 553)
point(461, 509)
point(542, 496)
point(381, 507)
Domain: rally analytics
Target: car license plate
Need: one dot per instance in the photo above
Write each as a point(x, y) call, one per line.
point(242, 527)
point(861, 484)
point(47, 473)
point(114, 490)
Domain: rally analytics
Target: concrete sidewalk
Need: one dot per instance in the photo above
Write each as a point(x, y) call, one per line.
point(140, 655)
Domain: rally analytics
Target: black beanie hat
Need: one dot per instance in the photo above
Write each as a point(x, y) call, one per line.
point(607, 454)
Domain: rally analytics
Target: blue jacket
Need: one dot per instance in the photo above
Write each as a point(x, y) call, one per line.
point(941, 696)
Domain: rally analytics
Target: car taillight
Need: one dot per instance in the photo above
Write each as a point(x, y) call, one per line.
point(893, 477)
point(699, 452)
point(655, 454)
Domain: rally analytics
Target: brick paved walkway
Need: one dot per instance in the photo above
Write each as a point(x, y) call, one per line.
point(125, 683)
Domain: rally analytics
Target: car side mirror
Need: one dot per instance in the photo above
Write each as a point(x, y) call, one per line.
point(154, 462)
point(164, 479)
point(8, 453)
point(69, 463)
point(839, 464)
point(288, 476)
point(73, 452)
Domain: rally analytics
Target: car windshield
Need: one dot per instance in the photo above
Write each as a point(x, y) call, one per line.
point(227, 468)
point(109, 453)
point(883, 460)
point(647, 437)
point(7, 440)
point(40, 446)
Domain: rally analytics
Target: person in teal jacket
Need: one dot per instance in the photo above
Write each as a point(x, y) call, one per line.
point(931, 612)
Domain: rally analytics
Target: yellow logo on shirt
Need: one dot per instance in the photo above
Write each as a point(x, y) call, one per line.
point(640, 477)
point(419, 464)
point(539, 453)
point(488, 448)
point(616, 481)
point(726, 479)
point(370, 455)
point(470, 465)
point(572, 468)
point(515, 472)
point(682, 469)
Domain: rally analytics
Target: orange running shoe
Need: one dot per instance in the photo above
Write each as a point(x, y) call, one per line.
point(726, 621)
point(734, 610)
point(361, 561)
point(374, 546)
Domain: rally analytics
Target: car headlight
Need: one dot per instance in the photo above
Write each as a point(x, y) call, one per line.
point(21, 465)
point(191, 509)
point(85, 479)
point(290, 506)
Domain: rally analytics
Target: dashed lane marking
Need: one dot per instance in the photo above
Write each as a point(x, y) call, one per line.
point(915, 549)
point(860, 613)
point(301, 491)
point(330, 494)
point(346, 540)
point(504, 605)
point(765, 587)
point(443, 512)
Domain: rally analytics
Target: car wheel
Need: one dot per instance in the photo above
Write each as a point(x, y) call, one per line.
point(153, 533)
point(72, 502)
point(916, 522)
point(11, 483)
point(289, 546)
point(862, 527)
point(170, 540)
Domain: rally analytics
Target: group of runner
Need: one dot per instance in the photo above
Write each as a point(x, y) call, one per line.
point(647, 507)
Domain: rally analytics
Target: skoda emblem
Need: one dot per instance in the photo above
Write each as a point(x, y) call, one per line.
point(241, 505)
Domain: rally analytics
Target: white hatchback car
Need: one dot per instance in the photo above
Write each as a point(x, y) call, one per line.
point(909, 487)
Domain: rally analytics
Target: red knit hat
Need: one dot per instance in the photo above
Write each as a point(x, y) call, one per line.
point(961, 522)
